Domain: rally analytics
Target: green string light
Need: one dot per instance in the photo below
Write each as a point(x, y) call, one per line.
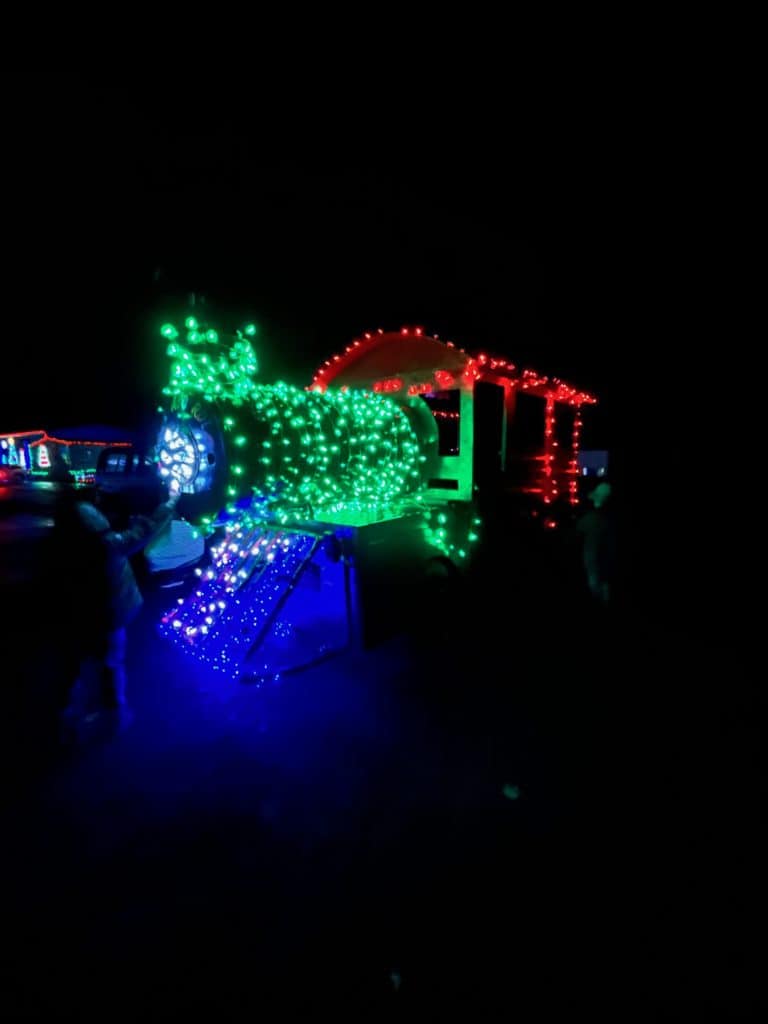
point(328, 452)
point(445, 531)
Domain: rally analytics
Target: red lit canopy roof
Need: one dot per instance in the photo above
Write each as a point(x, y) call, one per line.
point(22, 434)
point(380, 355)
point(70, 437)
point(409, 360)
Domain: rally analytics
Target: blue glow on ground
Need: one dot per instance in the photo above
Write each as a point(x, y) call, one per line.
point(272, 601)
point(240, 844)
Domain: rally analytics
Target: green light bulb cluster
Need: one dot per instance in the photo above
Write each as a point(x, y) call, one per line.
point(327, 452)
point(205, 368)
point(318, 452)
point(450, 532)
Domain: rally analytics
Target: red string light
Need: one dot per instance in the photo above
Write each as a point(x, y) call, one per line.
point(444, 379)
point(45, 438)
point(388, 387)
point(497, 370)
point(87, 444)
point(549, 488)
point(573, 465)
point(22, 433)
point(474, 369)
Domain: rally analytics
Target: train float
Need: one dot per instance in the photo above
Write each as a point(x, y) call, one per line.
point(328, 507)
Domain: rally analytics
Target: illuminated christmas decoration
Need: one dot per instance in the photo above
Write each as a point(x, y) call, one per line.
point(420, 389)
point(388, 387)
point(298, 450)
point(14, 453)
point(419, 365)
point(202, 368)
point(481, 367)
point(35, 450)
point(258, 604)
point(443, 379)
point(15, 449)
point(182, 456)
point(452, 534)
point(549, 483)
point(369, 470)
point(573, 464)
point(83, 477)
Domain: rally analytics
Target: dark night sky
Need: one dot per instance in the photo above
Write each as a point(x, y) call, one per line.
point(126, 200)
point(581, 236)
point(575, 237)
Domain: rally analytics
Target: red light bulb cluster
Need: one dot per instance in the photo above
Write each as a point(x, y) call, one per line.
point(573, 464)
point(484, 367)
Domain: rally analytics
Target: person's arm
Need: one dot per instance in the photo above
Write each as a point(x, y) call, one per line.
point(141, 531)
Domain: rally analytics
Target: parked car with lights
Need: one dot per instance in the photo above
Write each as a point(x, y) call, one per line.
point(11, 476)
point(127, 481)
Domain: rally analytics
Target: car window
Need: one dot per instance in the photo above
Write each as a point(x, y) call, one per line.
point(116, 462)
point(142, 465)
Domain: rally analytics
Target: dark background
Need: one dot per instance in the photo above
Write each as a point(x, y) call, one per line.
point(583, 231)
point(125, 200)
point(577, 233)
point(581, 235)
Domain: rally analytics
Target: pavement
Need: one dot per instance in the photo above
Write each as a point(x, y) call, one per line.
point(491, 818)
